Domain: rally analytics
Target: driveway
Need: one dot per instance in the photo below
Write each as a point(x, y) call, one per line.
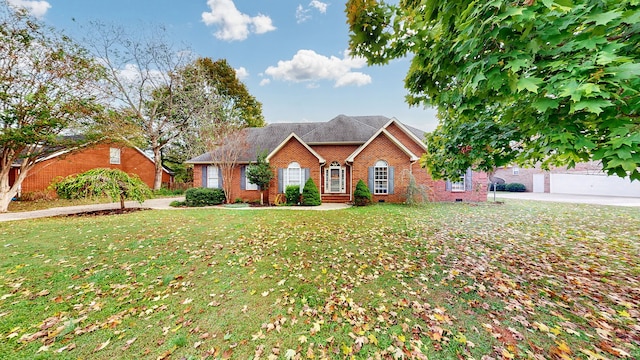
point(568, 198)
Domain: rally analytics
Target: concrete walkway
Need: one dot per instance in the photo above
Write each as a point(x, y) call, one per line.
point(156, 204)
point(568, 198)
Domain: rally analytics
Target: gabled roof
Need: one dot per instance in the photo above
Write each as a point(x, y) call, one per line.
point(342, 129)
point(294, 136)
point(383, 131)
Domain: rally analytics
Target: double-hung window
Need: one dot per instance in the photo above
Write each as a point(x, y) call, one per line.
point(381, 178)
point(458, 186)
point(213, 177)
point(292, 175)
point(249, 185)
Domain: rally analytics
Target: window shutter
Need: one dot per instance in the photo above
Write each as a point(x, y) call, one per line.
point(447, 185)
point(305, 178)
point(391, 179)
point(220, 178)
point(468, 184)
point(243, 177)
point(204, 175)
point(280, 180)
point(370, 179)
point(326, 180)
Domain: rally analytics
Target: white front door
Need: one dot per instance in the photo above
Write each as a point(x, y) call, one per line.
point(334, 179)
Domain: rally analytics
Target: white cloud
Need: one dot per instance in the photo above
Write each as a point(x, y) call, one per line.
point(35, 7)
point(232, 24)
point(309, 66)
point(264, 82)
point(303, 14)
point(319, 5)
point(242, 73)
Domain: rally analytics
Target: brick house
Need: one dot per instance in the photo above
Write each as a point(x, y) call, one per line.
point(101, 155)
point(336, 154)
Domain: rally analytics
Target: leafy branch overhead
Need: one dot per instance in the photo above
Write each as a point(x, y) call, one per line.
point(545, 81)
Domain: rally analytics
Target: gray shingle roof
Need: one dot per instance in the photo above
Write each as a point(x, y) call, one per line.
point(341, 129)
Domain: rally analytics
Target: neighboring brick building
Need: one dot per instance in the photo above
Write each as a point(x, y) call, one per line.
point(102, 155)
point(336, 154)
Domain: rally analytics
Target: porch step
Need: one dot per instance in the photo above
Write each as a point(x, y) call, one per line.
point(335, 198)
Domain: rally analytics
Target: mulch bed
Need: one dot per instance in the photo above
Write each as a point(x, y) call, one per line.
point(105, 212)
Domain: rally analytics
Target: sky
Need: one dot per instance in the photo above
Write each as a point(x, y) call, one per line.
point(292, 55)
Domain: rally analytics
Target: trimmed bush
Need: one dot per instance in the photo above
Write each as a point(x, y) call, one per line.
point(196, 197)
point(516, 187)
point(362, 195)
point(310, 194)
point(292, 194)
point(499, 187)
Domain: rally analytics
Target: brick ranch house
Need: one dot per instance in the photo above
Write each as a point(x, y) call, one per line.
point(100, 155)
point(336, 154)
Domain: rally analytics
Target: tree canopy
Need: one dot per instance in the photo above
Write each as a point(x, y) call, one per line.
point(550, 82)
point(114, 183)
point(46, 95)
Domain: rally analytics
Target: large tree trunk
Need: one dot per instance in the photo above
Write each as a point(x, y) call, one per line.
point(157, 158)
point(7, 192)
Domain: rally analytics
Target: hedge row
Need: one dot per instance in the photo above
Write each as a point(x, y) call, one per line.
point(204, 197)
point(512, 187)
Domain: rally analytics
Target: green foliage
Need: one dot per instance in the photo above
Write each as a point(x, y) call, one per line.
point(47, 90)
point(292, 194)
point(260, 173)
point(362, 195)
point(177, 203)
point(415, 193)
point(196, 197)
point(546, 82)
point(498, 187)
point(515, 187)
point(113, 183)
point(168, 192)
point(310, 194)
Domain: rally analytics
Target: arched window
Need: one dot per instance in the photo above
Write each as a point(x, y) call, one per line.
point(381, 177)
point(293, 175)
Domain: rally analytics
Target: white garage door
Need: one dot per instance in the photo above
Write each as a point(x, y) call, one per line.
point(594, 185)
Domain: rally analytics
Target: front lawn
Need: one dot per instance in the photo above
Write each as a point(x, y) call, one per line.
point(443, 281)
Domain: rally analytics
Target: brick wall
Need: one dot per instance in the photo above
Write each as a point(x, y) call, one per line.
point(337, 153)
point(290, 152)
point(131, 161)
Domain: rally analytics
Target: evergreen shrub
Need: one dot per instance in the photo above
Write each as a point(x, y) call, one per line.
point(516, 187)
point(310, 194)
point(292, 194)
point(196, 197)
point(362, 195)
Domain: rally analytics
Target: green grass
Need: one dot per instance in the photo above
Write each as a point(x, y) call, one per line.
point(448, 281)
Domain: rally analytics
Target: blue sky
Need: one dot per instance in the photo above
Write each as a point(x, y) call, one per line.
point(292, 55)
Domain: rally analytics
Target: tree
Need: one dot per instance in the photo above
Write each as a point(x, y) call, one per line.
point(560, 78)
point(260, 174)
point(46, 91)
point(114, 183)
point(310, 194)
point(220, 80)
point(226, 144)
point(152, 84)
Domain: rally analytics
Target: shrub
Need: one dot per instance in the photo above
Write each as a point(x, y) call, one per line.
point(310, 194)
point(499, 187)
point(516, 187)
point(292, 194)
point(204, 197)
point(362, 195)
point(168, 192)
point(176, 203)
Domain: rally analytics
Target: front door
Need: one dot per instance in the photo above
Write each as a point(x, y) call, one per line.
point(334, 178)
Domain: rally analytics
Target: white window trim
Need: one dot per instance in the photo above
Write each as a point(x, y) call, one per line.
point(114, 156)
point(515, 170)
point(384, 189)
point(249, 185)
point(459, 186)
point(290, 170)
point(213, 181)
